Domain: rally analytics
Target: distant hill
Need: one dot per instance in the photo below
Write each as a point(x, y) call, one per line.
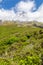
point(19, 24)
point(25, 23)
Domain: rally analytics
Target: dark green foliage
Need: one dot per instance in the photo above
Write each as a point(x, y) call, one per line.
point(30, 60)
point(21, 45)
point(42, 59)
point(12, 40)
point(4, 62)
point(23, 39)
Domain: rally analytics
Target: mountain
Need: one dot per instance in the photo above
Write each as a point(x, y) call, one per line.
point(25, 23)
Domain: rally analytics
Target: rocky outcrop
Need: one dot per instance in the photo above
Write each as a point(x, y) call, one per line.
point(40, 26)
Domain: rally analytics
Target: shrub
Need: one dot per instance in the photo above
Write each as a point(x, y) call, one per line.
point(4, 62)
point(23, 38)
point(30, 60)
point(11, 40)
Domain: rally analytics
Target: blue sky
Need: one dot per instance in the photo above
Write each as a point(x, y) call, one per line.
point(8, 4)
point(22, 10)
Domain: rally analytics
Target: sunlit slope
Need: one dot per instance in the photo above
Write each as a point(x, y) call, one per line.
point(21, 44)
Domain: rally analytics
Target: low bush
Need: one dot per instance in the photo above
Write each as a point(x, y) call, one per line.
point(30, 60)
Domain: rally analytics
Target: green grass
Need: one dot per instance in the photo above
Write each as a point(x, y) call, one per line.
point(21, 45)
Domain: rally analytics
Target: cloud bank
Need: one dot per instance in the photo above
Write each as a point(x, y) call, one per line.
point(23, 12)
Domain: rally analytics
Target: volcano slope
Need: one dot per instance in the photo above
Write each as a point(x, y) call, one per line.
point(21, 45)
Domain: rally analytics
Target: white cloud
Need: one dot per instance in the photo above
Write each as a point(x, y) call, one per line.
point(39, 14)
point(7, 14)
point(0, 1)
point(25, 6)
point(24, 12)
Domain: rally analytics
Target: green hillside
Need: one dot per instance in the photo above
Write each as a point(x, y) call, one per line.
point(21, 45)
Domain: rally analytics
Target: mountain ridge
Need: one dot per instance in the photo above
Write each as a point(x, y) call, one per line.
point(25, 23)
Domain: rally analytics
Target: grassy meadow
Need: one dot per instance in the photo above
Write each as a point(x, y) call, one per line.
point(21, 45)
